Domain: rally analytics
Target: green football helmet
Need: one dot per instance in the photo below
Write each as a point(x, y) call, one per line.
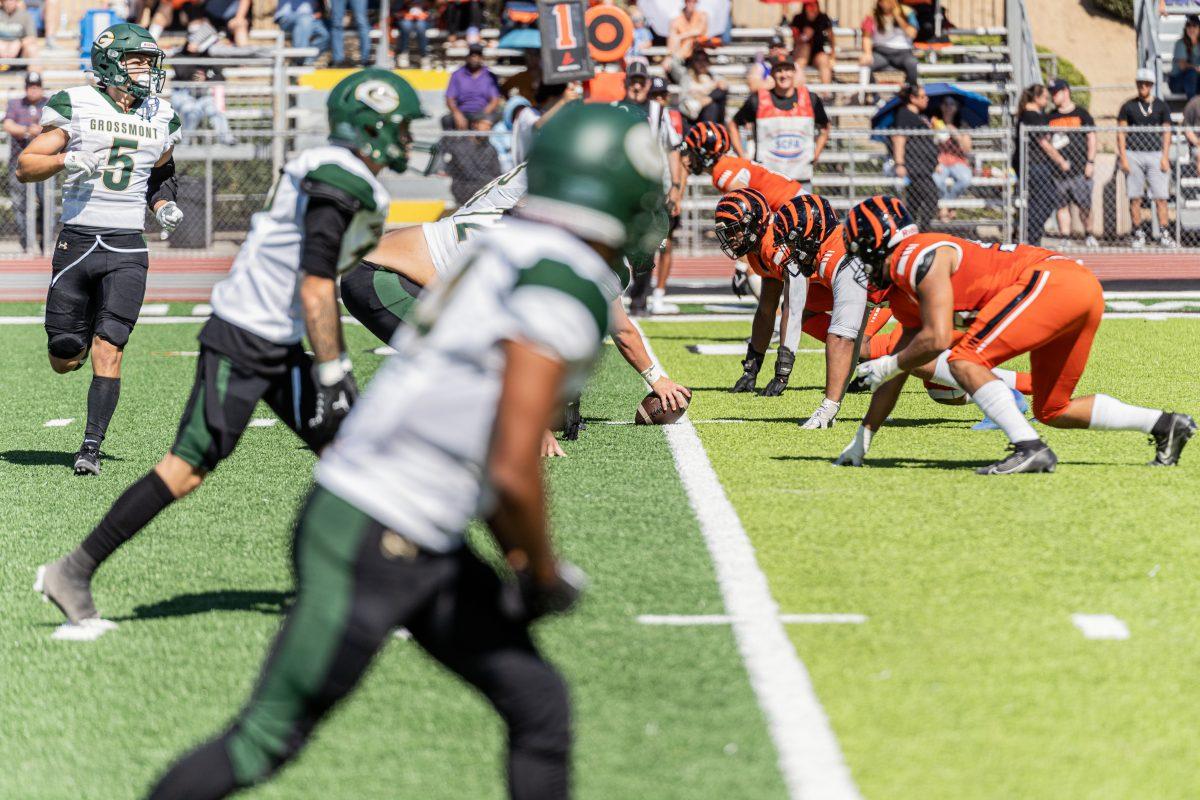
point(597, 171)
point(369, 111)
point(108, 59)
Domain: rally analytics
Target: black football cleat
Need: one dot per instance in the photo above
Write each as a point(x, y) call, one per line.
point(858, 386)
point(87, 460)
point(1033, 456)
point(1171, 433)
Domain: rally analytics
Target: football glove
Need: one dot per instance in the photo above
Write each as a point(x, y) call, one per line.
point(878, 371)
point(169, 216)
point(854, 453)
point(572, 420)
point(524, 600)
point(336, 393)
point(80, 164)
point(823, 417)
point(750, 367)
point(741, 282)
point(784, 359)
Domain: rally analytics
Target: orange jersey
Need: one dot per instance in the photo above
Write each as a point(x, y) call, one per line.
point(732, 173)
point(984, 269)
point(767, 260)
point(830, 257)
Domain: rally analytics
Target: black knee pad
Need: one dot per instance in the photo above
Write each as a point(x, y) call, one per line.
point(66, 345)
point(114, 331)
point(537, 708)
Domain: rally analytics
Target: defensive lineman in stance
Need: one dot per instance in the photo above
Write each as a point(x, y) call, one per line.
point(451, 429)
point(114, 142)
point(324, 214)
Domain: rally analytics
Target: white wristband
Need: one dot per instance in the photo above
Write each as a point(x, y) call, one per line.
point(330, 372)
point(651, 374)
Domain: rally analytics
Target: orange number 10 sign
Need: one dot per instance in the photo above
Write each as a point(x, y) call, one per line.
point(565, 54)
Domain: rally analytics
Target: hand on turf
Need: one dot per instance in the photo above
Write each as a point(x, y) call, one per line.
point(333, 403)
point(746, 382)
point(854, 453)
point(671, 394)
point(740, 283)
point(169, 216)
point(878, 371)
point(823, 417)
point(785, 359)
point(80, 164)
point(550, 446)
point(526, 599)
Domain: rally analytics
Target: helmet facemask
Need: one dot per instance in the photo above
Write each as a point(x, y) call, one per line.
point(146, 79)
point(736, 238)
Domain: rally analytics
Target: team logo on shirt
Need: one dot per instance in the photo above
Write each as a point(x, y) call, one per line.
point(788, 145)
point(378, 96)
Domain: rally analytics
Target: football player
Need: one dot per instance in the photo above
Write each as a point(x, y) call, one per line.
point(1011, 299)
point(449, 430)
point(113, 141)
point(324, 214)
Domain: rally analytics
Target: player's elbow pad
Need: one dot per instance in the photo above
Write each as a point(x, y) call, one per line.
point(162, 184)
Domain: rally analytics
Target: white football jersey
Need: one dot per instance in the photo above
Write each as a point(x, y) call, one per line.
point(448, 237)
point(128, 144)
point(262, 292)
point(413, 452)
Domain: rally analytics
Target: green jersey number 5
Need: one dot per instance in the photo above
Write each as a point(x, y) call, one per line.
point(119, 168)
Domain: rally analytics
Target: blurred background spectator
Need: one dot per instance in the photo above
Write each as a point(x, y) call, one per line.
point(1078, 147)
point(1145, 157)
point(813, 40)
point(412, 20)
point(192, 92)
point(888, 33)
point(527, 81)
point(299, 21)
point(1185, 65)
point(229, 16)
point(337, 30)
point(1042, 162)
point(470, 161)
point(688, 30)
point(790, 126)
point(916, 154)
point(22, 122)
point(758, 74)
point(18, 33)
point(702, 95)
point(524, 116)
point(463, 19)
point(642, 36)
point(953, 173)
point(473, 93)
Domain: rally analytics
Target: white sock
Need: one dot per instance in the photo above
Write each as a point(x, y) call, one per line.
point(659, 293)
point(995, 399)
point(1110, 414)
point(943, 375)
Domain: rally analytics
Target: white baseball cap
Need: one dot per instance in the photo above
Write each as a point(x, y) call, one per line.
point(1146, 75)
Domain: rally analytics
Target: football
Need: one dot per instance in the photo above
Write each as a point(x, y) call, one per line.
point(651, 412)
point(946, 395)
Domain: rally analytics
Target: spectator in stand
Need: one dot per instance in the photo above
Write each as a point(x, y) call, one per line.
point(813, 40)
point(527, 81)
point(888, 33)
point(191, 92)
point(231, 15)
point(463, 20)
point(337, 31)
point(642, 36)
point(953, 173)
point(18, 34)
point(702, 94)
point(1185, 72)
point(915, 154)
point(22, 122)
point(687, 30)
point(473, 93)
point(1043, 165)
point(1079, 149)
point(1191, 130)
point(413, 21)
point(790, 127)
point(45, 18)
point(926, 13)
point(522, 122)
point(299, 20)
point(1145, 157)
point(758, 74)
point(661, 92)
point(470, 161)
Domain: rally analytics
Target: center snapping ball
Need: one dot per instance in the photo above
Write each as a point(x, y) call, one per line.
point(946, 395)
point(651, 411)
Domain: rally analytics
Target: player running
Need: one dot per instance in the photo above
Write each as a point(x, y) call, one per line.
point(1012, 299)
point(325, 212)
point(114, 141)
point(450, 430)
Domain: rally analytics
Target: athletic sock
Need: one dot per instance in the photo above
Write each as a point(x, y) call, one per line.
point(1110, 414)
point(943, 375)
point(102, 402)
point(996, 400)
point(132, 511)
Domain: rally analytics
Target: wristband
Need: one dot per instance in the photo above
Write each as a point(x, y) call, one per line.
point(652, 374)
point(330, 372)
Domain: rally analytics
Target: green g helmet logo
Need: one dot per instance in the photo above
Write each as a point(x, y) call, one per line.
point(377, 95)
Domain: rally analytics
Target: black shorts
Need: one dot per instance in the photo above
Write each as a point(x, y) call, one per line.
point(230, 380)
point(96, 289)
point(378, 298)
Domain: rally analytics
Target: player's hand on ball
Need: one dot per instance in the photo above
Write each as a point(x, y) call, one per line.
point(671, 394)
point(169, 216)
point(878, 371)
point(80, 164)
point(854, 453)
point(823, 417)
point(336, 393)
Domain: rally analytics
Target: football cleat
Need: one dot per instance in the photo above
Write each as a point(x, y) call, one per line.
point(1035, 456)
point(858, 386)
point(87, 460)
point(1169, 444)
point(71, 593)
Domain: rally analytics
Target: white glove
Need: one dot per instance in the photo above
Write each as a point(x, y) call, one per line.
point(853, 455)
point(80, 164)
point(878, 371)
point(823, 417)
point(169, 216)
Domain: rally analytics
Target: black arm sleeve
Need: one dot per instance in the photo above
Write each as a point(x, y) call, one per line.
point(820, 117)
point(325, 222)
point(161, 184)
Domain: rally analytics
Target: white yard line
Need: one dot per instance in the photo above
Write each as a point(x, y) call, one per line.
point(155, 310)
point(687, 620)
point(263, 422)
point(809, 756)
point(1100, 626)
point(202, 310)
point(58, 423)
point(738, 349)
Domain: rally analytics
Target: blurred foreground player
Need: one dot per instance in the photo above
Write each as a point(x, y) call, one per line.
point(451, 429)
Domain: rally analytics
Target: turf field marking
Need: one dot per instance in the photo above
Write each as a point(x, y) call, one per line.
point(58, 423)
point(202, 310)
point(721, 349)
point(1100, 626)
point(384, 350)
point(695, 421)
point(89, 630)
point(154, 310)
point(263, 422)
point(809, 756)
point(179, 353)
point(684, 620)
